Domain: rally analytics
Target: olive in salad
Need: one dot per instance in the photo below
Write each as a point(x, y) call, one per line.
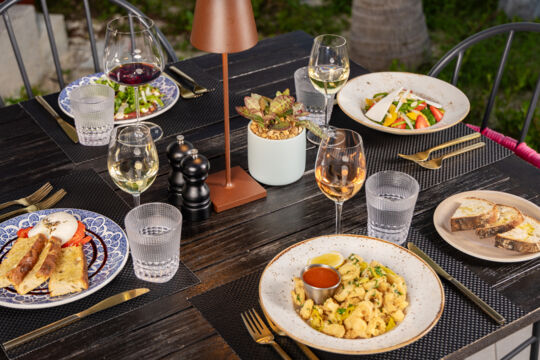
point(124, 99)
point(407, 110)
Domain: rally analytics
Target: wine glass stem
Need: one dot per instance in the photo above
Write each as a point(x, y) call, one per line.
point(339, 208)
point(137, 199)
point(137, 107)
point(326, 101)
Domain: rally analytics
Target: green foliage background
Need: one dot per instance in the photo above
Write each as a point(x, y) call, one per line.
point(448, 21)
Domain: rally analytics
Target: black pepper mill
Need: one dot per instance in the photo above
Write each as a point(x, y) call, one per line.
point(196, 205)
point(176, 152)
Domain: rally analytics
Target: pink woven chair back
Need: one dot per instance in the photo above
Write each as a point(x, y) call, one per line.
point(522, 150)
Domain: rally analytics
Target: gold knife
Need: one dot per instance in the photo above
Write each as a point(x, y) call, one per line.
point(102, 305)
point(197, 89)
point(67, 127)
point(474, 298)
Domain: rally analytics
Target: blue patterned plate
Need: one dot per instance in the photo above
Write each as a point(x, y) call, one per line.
point(106, 256)
point(165, 84)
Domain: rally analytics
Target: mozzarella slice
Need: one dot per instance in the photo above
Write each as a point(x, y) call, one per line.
point(60, 225)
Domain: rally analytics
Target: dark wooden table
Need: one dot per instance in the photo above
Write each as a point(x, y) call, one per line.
point(235, 243)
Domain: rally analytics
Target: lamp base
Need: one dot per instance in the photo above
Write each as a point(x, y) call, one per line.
point(244, 189)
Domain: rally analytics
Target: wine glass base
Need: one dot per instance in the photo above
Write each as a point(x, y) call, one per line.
point(314, 139)
point(155, 130)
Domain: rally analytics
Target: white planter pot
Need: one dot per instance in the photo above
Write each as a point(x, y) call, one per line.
point(276, 162)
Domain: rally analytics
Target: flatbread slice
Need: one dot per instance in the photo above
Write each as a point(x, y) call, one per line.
point(21, 258)
point(71, 273)
point(43, 269)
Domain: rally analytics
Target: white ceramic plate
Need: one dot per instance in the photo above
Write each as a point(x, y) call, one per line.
point(425, 292)
point(166, 85)
point(351, 98)
point(467, 241)
point(106, 255)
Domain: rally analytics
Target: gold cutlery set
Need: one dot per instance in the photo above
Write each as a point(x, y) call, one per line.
point(421, 158)
point(186, 93)
point(67, 127)
point(34, 202)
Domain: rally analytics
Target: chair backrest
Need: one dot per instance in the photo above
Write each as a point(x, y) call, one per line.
point(122, 3)
point(459, 50)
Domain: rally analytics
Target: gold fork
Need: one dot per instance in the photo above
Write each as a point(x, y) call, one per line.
point(38, 195)
point(423, 155)
point(436, 163)
point(45, 204)
point(278, 331)
point(260, 333)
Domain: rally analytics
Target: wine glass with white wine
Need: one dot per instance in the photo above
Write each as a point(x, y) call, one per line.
point(132, 160)
point(328, 70)
point(340, 168)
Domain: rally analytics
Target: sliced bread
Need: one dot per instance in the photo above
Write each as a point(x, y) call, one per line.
point(473, 213)
point(71, 273)
point(21, 258)
point(508, 218)
point(43, 269)
point(523, 238)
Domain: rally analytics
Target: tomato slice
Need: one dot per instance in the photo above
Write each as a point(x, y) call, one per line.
point(399, 123)
point(23, 232)
point(436, 113)
point(421, 122)
point(420, 107)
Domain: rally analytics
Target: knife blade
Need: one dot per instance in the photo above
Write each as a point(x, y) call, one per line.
point(102, 305)
point(473, 297)
point(67, 127)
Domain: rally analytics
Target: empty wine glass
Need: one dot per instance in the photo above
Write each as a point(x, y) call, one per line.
point(132, 160)
point(133, 57)
point(340, 168)
point(328, 70)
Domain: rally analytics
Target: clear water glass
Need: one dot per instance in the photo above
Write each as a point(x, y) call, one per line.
point(154, 232)
point(93, 110)
point(312, 99)
point(391, 197)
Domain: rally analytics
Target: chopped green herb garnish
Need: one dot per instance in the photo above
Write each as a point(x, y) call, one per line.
point(379, 271)
point(341, 311)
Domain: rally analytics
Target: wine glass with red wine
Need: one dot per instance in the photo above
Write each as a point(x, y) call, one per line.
point(133, 57)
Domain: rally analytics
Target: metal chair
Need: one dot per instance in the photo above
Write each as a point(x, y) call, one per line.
point(458, 52)
point(122, 3)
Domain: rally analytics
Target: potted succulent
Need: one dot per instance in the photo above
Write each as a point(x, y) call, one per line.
point(276, 137)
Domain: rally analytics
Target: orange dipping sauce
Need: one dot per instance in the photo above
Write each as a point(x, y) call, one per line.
point(321, 277)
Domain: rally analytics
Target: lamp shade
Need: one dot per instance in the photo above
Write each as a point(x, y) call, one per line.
point(223, 26)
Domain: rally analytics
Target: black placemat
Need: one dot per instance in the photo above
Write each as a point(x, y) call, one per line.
point(86, 190)
point(382, 149)
point(184, 116)
point(461, 323)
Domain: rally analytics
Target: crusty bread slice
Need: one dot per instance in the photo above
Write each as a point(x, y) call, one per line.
point(473, 213)
point(20, 259)
point(523, 238)
point(71, 273)
point(43, 268)
point(508, 218)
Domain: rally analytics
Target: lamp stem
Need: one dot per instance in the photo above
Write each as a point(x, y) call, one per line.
point(228, 179)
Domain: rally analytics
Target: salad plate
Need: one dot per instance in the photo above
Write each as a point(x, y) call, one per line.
point(425, 293)
point(106, 255)
point(164, 84)
point(467, 242)
point(352, 99)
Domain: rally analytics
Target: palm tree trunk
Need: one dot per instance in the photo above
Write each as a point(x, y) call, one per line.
point(384, 30)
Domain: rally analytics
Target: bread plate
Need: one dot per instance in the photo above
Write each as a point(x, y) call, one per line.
point(425, 293)
point(165, 85)
point(351, 98)
point(106, 255)
point(467, 241)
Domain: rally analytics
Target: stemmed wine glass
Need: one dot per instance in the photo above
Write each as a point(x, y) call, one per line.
point(340, 168)
point(132, 159)
point(328, 70)
point(133, 57)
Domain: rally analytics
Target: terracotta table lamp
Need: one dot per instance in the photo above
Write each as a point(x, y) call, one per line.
point(227, 26)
